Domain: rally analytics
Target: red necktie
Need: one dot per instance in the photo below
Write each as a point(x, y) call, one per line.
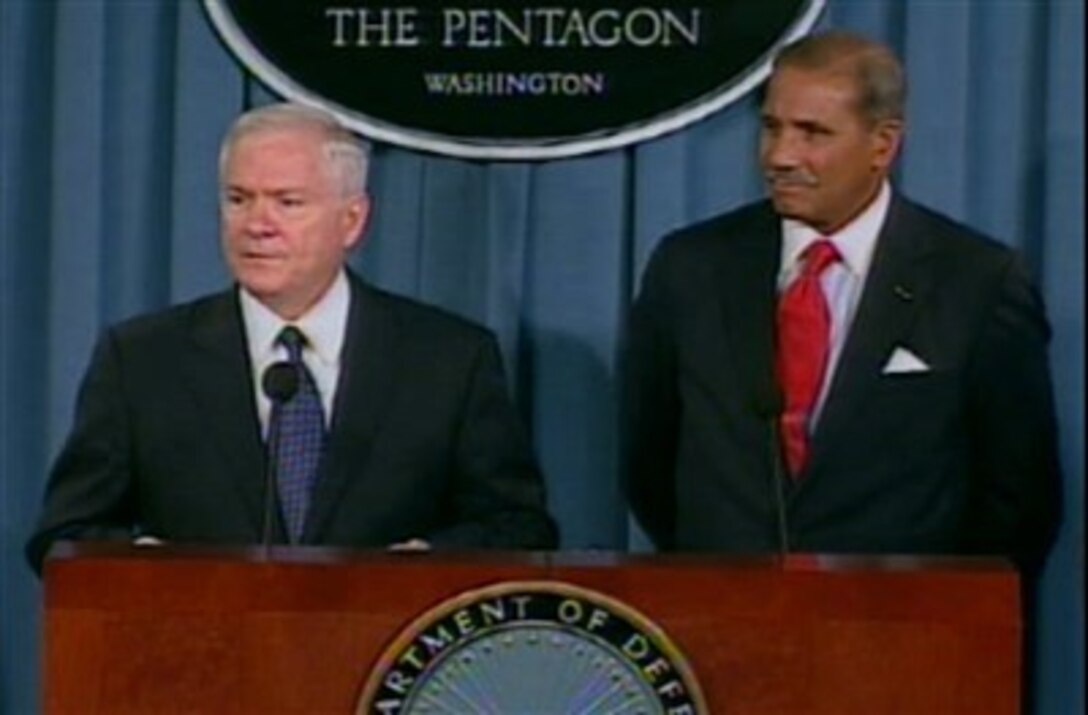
point(804, 336)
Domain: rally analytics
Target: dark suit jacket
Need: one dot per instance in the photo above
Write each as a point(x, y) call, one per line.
point(423, 441)
point(959, 459)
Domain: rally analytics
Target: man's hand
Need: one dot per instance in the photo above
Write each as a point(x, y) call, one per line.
point(413, 545)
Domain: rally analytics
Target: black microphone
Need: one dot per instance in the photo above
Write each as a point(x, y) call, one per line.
point(279, 383)
point(769, 406)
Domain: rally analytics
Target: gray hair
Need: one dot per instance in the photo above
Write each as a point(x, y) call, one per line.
point(346, 155)
point(874, 68)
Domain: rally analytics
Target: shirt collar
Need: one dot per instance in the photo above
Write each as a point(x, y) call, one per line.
point(324, 324)
point(855, 241)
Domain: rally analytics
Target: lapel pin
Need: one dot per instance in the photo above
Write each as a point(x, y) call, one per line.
point(903, 293)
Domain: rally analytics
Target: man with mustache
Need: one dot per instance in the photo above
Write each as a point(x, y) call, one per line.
point(391, 428)
point(838, 369)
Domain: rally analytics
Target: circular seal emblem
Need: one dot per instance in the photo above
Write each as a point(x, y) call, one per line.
point(517, 79)
point(531, 647)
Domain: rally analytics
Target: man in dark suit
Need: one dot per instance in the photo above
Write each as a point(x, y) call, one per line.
point(920, 420)
point(392, 426)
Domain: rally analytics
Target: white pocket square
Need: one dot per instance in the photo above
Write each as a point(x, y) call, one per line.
point(904, 361)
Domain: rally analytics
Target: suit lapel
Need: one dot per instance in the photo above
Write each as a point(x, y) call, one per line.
point(897, 285)
point(747, 286)
point(219, 373)
point(367, 378)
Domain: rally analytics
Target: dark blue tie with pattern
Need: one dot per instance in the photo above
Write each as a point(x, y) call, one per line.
point(300, 423)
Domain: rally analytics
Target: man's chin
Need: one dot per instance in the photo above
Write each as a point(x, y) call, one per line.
point(263, 288)
point(788, 208)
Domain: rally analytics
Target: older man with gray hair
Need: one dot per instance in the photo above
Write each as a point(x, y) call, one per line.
point(838, 369)
point(302, 405)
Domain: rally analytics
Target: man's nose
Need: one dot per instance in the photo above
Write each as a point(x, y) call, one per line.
point(781, 151)
point(259, 217)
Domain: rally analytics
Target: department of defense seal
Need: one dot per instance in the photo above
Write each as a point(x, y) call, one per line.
point(532, 648)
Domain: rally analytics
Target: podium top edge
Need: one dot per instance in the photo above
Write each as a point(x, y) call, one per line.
point(325, 555)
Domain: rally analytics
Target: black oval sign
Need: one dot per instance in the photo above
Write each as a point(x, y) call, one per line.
point(511, 80)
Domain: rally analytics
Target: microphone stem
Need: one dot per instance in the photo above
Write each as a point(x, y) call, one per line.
point(271, 477)
point(778, 477)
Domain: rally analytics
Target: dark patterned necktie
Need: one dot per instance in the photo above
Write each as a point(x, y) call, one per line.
point(300, 423)
point(804, 338)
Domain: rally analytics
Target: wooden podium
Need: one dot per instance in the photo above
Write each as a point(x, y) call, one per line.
point(178, 630)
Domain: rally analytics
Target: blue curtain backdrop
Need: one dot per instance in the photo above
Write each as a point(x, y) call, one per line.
point(110, 116)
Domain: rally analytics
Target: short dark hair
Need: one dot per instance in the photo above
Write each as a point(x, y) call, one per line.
point(874, 68)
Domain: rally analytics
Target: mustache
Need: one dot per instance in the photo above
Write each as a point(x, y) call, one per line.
point(790, 177)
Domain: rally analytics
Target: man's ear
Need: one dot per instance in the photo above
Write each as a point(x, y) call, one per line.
point(356, 216)
point(887, 138)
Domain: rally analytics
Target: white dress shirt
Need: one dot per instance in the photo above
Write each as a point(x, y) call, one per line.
point(843, 281)
point(324, 326)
